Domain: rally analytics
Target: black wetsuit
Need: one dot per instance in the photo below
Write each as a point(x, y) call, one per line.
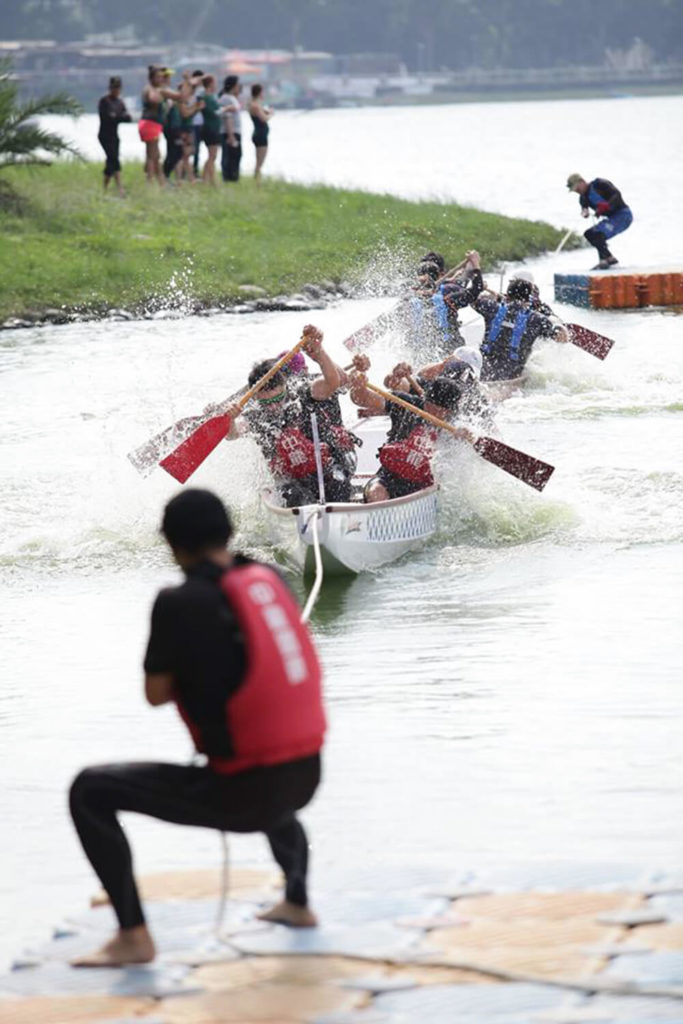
point(112, 112)
point(173, 127)
point(511, 328)
point(617, 217)
point(297, 411)
point(194, 637)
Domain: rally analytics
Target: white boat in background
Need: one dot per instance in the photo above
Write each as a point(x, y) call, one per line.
point(353, 537)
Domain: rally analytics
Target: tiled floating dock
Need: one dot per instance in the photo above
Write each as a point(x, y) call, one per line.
point(390, 950)
point(621, 289)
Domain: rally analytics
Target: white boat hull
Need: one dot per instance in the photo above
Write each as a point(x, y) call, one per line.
point(354, 537)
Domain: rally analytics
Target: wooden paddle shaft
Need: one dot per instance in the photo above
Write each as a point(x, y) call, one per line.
point(389, 397)
point(271, 373)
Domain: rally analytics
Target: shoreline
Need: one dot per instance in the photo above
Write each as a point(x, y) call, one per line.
point(73, 253)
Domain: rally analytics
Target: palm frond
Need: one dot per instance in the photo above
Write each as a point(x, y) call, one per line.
point(22, 139)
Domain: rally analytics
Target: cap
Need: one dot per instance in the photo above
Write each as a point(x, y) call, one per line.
point(195, 520)
point(471, 356)
point(574, 179)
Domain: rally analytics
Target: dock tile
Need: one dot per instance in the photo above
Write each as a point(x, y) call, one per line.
point(292, 970)
point(545, 905)
point(468, 1004)
point(56, 979)
point(662, 968)
point(377, 940)
point(670, 904)
point(269, 1001)
point(75, 1010)
point(561, 875)
point(374, 984)
point(360, 907)
point(637, 1009)
point(657, 936)
point(244, 883)
point(632, 918)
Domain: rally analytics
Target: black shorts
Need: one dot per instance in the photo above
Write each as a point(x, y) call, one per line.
point(396, 486)
point(210, 138)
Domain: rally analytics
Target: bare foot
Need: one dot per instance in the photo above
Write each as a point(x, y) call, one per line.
point(129, 946)
point(291, 914)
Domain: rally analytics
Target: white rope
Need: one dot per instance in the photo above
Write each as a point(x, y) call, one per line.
point(225, 884)
point(564, 241)
point(318, 581)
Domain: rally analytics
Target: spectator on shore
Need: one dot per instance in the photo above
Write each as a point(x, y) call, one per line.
point(232, 128)
point(151, 124)
point(172, 129)
point(260, 115)
point(189, 107)
point(211, 132)
point(197, 124)
point(113, 112)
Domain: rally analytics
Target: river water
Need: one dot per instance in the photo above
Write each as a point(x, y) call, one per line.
point(507, 699)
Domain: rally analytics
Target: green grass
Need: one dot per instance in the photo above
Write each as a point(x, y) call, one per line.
point(71, 247)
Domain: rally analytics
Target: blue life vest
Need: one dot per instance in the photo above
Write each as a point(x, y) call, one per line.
point(518, 330)
point(441, 313)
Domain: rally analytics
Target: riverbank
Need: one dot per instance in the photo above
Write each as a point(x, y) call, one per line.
point(70, 251)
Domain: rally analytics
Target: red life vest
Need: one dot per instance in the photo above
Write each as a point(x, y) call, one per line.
point(277, 714)
point(411, 458)
point(295, 454)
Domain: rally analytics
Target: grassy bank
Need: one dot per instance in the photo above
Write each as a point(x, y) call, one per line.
point(68, 246)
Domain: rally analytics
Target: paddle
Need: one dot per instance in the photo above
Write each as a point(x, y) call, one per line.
point(146, 458)
point(589, 341)
point(188, 456)
point(381, 324)
point(525, 467)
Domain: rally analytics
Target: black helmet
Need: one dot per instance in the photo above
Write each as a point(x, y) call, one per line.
point(445, 392)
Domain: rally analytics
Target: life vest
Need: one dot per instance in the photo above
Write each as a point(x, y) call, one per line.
point(277, 714)
point(411, 458)
point(518, 329)
point(295, 454)
point(441, 314)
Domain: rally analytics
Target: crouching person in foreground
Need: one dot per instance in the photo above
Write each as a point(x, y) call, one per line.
point(228, 648)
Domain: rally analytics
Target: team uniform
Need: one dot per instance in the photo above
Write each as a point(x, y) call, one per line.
point(247, 684)
point(436, 317)
point(511, 328)
point(406, 457)
point(287, 444)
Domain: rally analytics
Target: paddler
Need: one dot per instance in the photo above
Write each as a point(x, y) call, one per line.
point(279, 419)
point(434, 309)
point(464, 367)
point(607, 201)
point(406, 457)
point(228, 648)
point(512, 325)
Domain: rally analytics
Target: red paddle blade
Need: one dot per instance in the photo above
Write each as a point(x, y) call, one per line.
point(188, 456)
point(525, 467)
point(589, 341)
point(366, 335)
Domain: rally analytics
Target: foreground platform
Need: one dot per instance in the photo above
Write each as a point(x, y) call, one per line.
point(621, 288)
point(509, 948)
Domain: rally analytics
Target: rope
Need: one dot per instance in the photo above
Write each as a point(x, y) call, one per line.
point(225, 884)
point(318, 581)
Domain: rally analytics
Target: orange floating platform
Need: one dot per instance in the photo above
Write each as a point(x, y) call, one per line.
point(621, 289)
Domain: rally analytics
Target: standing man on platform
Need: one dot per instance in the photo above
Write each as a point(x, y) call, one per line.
point(606, 199)
point(228, 648)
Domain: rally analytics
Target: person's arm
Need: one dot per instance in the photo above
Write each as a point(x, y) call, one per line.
point(229, 111)
point(170, 94)
point(434, 370)
point(361, 395)
point(124, 116)
point(159, 688)
point(159, 657)
point(325, 386)
point(547, 329)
